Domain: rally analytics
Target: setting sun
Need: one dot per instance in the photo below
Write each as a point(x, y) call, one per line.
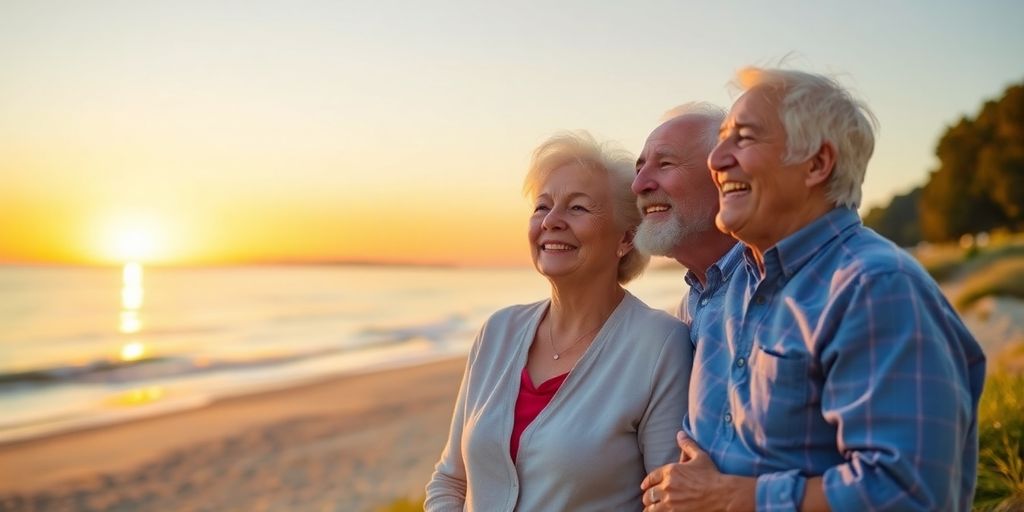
point(134, 244)
point(134, 239)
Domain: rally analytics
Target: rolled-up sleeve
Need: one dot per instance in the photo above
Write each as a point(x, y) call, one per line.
point(780, 492)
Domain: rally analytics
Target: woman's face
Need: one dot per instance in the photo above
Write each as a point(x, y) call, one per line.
point(573, 230)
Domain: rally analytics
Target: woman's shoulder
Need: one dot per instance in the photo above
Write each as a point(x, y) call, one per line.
point(505, 327)
point(517, 314)
point(656, 321)
point(648, 340)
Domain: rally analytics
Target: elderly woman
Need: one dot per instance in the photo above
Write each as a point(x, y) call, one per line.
point(567, 403)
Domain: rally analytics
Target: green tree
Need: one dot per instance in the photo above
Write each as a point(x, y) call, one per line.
point(1001, 162)
point(979, 184)
point(899, 221)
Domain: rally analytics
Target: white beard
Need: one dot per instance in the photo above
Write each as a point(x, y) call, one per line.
point(659, 238)
point(664, 237)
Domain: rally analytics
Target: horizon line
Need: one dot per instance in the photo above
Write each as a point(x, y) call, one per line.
point(263, 263)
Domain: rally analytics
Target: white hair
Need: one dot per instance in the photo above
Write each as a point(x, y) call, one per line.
point(714, 115)
point(814, 109)
point(604, 158)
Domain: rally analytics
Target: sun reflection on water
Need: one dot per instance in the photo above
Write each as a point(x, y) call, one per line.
point(133, 351)
point(130, 322)
point(131, 287)
point(132, 294)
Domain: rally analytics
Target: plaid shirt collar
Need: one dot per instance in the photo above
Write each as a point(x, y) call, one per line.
point(794, 251)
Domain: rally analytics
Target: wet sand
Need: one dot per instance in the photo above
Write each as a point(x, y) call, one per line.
point(348, 444)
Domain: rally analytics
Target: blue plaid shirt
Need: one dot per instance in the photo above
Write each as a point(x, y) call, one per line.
point(701, 308)
point(844, 360)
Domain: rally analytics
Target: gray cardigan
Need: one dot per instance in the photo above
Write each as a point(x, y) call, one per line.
point(613, 420)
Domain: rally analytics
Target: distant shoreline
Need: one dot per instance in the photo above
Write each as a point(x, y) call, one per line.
point(257, 264)
point(656, 265)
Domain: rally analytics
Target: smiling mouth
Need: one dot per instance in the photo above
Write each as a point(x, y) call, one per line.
point(734, 187)
point(656, 208)
point(556, 247)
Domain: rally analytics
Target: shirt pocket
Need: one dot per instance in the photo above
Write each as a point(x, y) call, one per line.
point(779, 389)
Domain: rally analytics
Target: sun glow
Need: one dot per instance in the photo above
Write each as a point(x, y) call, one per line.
point(135, 244)
point(134, 239)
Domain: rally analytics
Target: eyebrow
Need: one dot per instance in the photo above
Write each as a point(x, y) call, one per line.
point(657, 154)
point(737, 126)
point(571, 196)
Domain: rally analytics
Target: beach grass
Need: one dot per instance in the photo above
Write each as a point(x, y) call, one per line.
point(1001, 437)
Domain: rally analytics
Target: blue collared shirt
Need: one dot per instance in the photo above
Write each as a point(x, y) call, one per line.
point(702, 305)
point(843, 360)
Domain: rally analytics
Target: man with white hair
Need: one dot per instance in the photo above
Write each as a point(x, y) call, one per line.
point(679, 201)
point(840, 377)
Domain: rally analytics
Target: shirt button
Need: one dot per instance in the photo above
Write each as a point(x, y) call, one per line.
point(760, 300)
point(727, 418)
point(703, 302)
point(741, 362)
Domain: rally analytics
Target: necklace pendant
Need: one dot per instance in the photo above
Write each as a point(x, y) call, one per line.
point(555, 357)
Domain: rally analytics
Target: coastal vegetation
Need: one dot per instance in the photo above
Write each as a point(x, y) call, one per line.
point(978, 185)
point(1001, 437)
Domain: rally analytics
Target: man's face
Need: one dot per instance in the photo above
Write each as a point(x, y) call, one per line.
point(760, 196)
point(673, 187)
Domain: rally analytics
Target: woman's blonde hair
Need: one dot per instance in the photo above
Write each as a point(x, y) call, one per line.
point(581, 148)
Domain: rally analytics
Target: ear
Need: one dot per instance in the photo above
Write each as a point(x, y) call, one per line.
point(626, 244)
point(822, 164)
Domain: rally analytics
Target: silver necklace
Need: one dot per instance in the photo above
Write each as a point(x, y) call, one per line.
point(551, 339)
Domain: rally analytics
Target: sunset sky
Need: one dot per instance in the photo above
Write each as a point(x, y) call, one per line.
point(224, 132)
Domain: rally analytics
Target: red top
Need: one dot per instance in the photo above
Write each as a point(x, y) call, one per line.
point(530, 402)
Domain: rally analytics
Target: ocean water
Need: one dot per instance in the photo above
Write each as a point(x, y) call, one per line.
point(82, 347)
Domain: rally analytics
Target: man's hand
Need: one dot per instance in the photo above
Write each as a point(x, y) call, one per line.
point(694, 483)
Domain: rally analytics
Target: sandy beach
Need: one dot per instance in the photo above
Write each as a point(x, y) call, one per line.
point(348, 444)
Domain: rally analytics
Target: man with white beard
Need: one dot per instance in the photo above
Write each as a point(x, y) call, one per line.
point(679, 201)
